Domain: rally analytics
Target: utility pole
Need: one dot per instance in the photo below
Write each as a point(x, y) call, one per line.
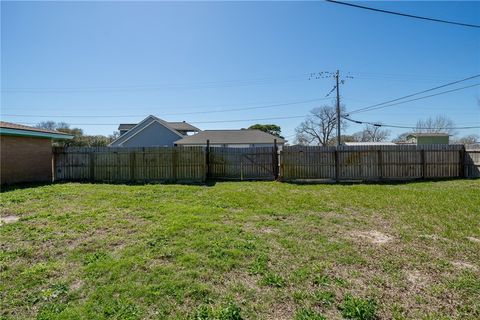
point(337, 75)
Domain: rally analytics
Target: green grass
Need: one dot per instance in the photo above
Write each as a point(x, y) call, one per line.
point(241, 250)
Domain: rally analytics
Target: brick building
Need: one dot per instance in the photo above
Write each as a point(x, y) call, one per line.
point(26, 153)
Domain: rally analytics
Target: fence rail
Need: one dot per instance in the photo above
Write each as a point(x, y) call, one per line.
point(197, 164)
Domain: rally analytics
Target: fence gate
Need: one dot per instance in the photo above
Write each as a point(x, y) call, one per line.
point(257, 163)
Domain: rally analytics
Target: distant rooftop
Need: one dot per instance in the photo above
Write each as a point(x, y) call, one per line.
point(428, 134)
point(230, 137)
point(383, 143)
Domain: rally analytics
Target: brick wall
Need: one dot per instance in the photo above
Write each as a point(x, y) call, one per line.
point(25, 159)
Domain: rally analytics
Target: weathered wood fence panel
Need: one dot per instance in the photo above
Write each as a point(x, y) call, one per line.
point(372, 162)
point(307, 162)
point(472, 161)
point(192, 164)
point(242, 163)
point(130, 164)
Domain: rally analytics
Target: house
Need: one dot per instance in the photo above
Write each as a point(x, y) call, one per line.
point(428, 138)
point(231, 138)
point(26, 153)
point(152, 132)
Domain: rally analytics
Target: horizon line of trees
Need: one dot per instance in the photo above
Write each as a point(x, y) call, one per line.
point(319, 128)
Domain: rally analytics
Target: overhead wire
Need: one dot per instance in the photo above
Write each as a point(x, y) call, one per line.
point(405, 14)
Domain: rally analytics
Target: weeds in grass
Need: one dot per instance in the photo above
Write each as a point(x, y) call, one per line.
point(325, 298)
point(308, 314)
point(273, 280)
point(260, 265)
point(208, 312)
point(326, 280)
point(354, 308)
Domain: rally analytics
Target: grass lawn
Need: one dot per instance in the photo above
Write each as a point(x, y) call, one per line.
point(241, 250)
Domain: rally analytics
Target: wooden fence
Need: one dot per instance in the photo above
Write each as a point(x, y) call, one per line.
point(400, 162)
point(472, 161)
point(295, 163)
point(186, 164)
point(257, 163)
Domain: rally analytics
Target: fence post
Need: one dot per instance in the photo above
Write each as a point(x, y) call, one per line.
point(132, 166)
point(207, 160)
point(174, 164)
point(422, 160)
point(92, 166)
point(275, 159)
point(380, 163)
point(462, 170)
point(337, 165)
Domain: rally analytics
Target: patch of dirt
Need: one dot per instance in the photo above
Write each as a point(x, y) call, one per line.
point(266, 230)
point(248, 281)
point(434, 237)
point(473, 239)
point(374, 236)
point(284, 311)
point(464, 265)
point(76, 285)
point(416, 278)
point(8, 219)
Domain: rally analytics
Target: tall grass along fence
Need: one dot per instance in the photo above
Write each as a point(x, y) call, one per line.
point(293, 163)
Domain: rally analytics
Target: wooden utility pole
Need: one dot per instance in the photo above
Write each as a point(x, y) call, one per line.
point(337, 75)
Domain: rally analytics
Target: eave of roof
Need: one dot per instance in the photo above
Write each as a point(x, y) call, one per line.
point(35, 134)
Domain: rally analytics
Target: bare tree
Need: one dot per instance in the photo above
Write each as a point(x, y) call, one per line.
point(372, 133)
point(470, 139)
point(439, 124)
point(319, 127)
point(402, 138)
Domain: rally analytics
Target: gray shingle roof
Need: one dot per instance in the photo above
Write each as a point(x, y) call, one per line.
point(182, 126)
point(230, 137)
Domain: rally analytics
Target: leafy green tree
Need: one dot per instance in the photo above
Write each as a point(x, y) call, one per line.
point(268, 128)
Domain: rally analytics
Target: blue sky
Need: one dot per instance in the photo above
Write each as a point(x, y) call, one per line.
point(132, 59)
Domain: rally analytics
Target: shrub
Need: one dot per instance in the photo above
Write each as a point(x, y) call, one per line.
point(358, 308)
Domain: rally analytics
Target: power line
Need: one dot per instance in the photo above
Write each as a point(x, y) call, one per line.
point(405, 14)
point(197, 122)
point(207, 84)
point(372, 107)
point(376, 124)
point(171, 114)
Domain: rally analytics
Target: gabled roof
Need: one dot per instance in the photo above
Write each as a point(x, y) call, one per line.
point(181, 126)
point(8, 128)
point(142, 125)
point(230, 137)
